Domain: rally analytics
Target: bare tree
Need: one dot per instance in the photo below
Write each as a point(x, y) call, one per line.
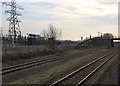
point(51, 35)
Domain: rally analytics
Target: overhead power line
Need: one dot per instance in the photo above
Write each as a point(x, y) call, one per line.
point(14, 27)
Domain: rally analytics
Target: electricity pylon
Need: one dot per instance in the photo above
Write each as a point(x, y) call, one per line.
point(14, 27)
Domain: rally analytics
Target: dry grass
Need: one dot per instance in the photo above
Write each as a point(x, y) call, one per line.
point(6, 57)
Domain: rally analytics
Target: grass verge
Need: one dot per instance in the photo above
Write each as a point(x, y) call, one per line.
point(46, 74)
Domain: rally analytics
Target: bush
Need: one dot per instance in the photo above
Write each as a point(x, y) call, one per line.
point(17, 56)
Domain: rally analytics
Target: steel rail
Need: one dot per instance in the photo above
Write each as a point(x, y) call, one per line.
point(27, 65)
point(23, 64)
point(92, 72)
point(81, 68)
point(10, 67)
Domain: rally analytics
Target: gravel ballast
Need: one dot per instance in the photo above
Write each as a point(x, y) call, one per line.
point(48, 71)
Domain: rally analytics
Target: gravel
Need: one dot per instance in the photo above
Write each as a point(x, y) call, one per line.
point(84, 56)
point(20, 61)
point(84, 60)
point(74, 79)
point(106, 75)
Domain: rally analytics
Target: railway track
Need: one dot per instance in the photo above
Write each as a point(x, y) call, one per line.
point(79, 76)
point(28, 65)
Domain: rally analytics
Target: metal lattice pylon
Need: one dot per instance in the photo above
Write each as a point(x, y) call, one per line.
point(14, 28)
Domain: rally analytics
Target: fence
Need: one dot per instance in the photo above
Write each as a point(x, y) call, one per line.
point(25, 48)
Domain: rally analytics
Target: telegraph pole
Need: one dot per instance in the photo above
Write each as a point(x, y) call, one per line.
point(14, 28)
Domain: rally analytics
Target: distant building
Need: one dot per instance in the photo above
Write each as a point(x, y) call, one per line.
point(34, 39)
point(105, 40)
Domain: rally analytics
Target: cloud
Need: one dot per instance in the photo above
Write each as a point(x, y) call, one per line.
point(68, 9)
point(44, 5)
point(79, 17)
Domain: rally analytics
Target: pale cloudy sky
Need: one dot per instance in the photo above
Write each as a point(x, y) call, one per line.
point(76, 18)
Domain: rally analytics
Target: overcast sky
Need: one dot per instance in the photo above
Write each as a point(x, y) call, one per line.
point(76, 18)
